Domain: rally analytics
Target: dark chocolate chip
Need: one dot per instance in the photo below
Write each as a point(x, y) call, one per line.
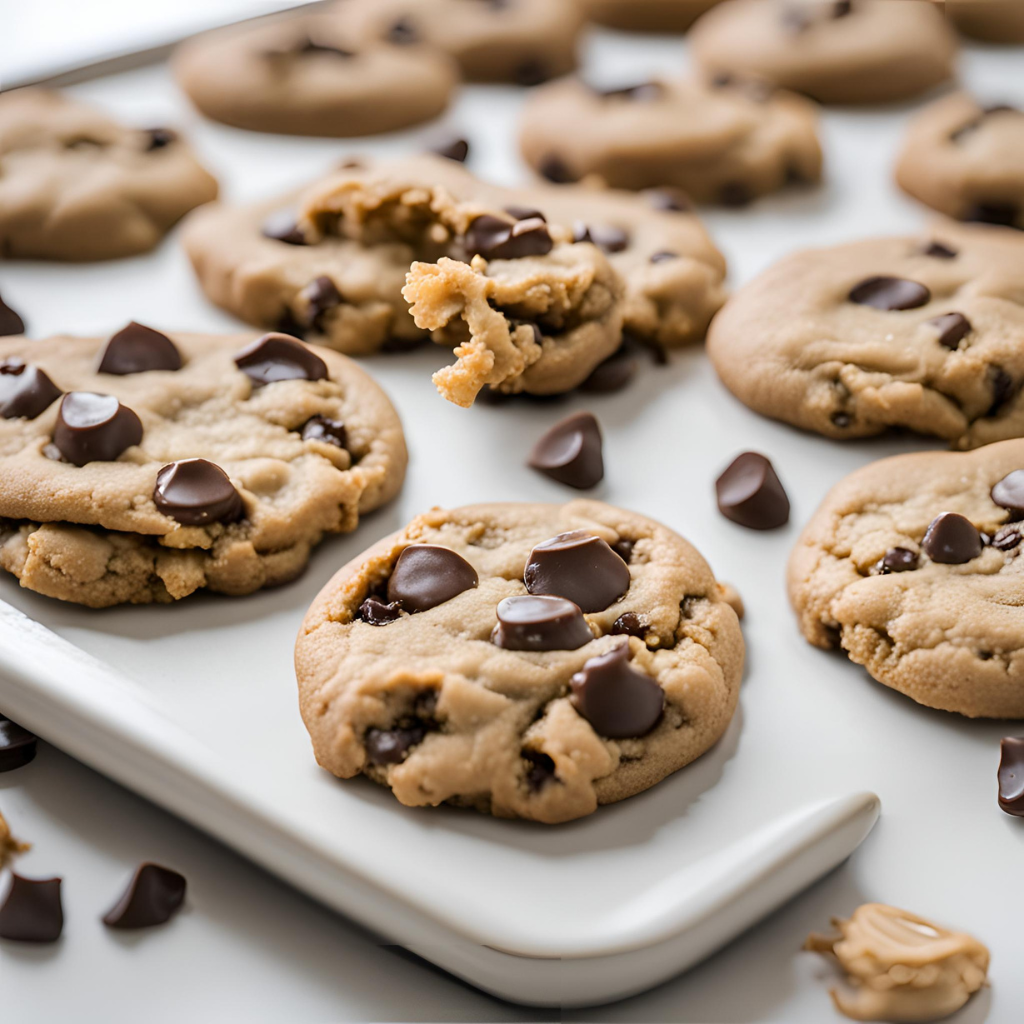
point(498, 239)
point(671, 200)
point(940, 251)
point(154, 895)
point(624, 549)
point(10, 322)
point(1009, 491)
point(403, 32)
point(751, 494)
point(392, 746)
point(540, 770)
point(604, 236)
point(32, 911)
point(664, 256)
point(615, 698)
point(555, 169)
point(319, 296)
point(1003, 388)
point(535, 623)
point(952, 328)
point(195, 492)
point(629, 624)
point(94, 428)
point(735, 194)
point(139, 349)
point(321, 428)
point(276, 357)
point(282, 226)
point(159, 138)
point(25, 390)
point(613, 374)
point(524, 213)
point(951, 539)
point(531, 71)
point(642, 92)
point(1003, 214)
point(1011, 776)
point(898, 560)
point(377, 613)
point(427, 575)
point(890, 293)
point(287, 324)
point(841, 419)
point(579, 567)
point(1007, 538)
point(571, 452)
point(455, 149)
point(17, 745)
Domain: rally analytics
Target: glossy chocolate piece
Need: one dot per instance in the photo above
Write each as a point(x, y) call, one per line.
point(951, 539)
point(898, 560)
point(277, 357)
point(10, 322)
point(427, 575)
point(952, 328)
point(154, 895)
point(614, 374)
point(571, 452)
point(25, 390)
point(1011, 776)
point(616, 699)
point(319, 296)
point(751, 494)
point(629, 624)
point(454, 149)
point(605, 236)
point(890, 294)
point(325, 430)
point(139, 349)
point(94, 428)
point(195, 492)
point(535, 623)
point(377, 613)
point(525, 213)
point(579, 567)
point(1009, 492)
point(283, 226)
point(17, 745)
point(391, 746)
point(32, 911)
point(1007, 538)
point(497, 239)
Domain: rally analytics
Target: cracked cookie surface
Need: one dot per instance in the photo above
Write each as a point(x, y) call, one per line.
point(461, 702)
point(925, 333)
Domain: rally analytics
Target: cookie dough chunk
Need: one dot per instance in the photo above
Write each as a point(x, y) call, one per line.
point(967, 161)
point(727, 142)
point(924, 333)
point(148, 466)
point(646, 15)
point(75, 185)
point(530, 661)
point(911, 566)
point(260, 264)
point(995, 21)
point(836, 51)
point(900, 967)
point(309, 75)
point(9, 846)
point(521, 41)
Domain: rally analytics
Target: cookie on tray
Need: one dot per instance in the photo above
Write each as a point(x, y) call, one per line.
point(646, 15)
point(76, 185)
point(912, 566)
point(309, 75)
point(727, 141)
point(531, 661)
point(146, 466)
point(924, 333)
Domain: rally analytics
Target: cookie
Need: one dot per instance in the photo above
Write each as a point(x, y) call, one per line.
point(530, 661)
point(520, 41)
point(258, 263)
point(309, 75)
point(994, 21)
point(924, 333)
point(836, 51)
point(911, 566)
point(726, 142)
point(79, 186)
point(646, 15)
point(967, 161)
point(144, 467)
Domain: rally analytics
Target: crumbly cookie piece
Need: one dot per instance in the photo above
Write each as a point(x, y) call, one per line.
point(646, 15)
point(728, 141)
point(219, 461)
point(309, 75)
point(925, 333)
point(76, 185)
point(995, 21)
point(967, 160)
point(911, 566)
point(530, 661)
point(9, 846)
point(836, 51)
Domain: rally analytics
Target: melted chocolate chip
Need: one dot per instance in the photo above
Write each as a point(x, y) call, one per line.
point(952, 328)
point(571, 452)
point(890, 293)
point(283, 226)
point(671, 200)
point(32, 911)
point(456, 149)
point(534, 623)
point(377, 613)
point(1009, 492)
point(17, 745)
point(159, 138)
point(1011, 776)
point(139, 349)
point(735, 194)
point(392, 746)
point(94, 428)
point(1003, 214)
point(276, 357)
point(329, 431)
point(427, 575)
point(579, 567)
point(898, 560)
point(195, 492)
point(940, 251)
point(951, 540)
point(606, 237)
point(751, 494)
point(556, 170)
point(498, 239)
point(154, 895)
point(531, 71)
point(629, 624)
point(613, 374)
point(540, 770)
point(403, 33)
point(25, 390)
point(10, 322)
point(319, 296)
point(1007, 538)
point(615, 698)
point(642, 92)
point(664, 256)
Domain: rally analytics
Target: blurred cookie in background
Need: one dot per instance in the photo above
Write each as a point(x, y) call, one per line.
point(994, 21)
point(646, 15)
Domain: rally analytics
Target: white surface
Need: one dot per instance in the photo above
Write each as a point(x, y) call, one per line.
point(810, 725)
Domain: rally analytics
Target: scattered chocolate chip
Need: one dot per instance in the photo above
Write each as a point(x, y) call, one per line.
point(664, 256)
point(751, 494)
point(498, 239)
point(890, 293)
point(898, 560)
point(392, 746)
point(604, 236)
point(1003, 388)
point(282, 226)
point(642, 92)
point(671, 200)
point(1009, 492)
point(403, 32)
point(319, 296)
point(951, 539)
point(10, 322)
point(195, 492)
point(629, 624)
point(427, 575)
point(139, 349)
point(1003, 214)
point(571, 452)
point(456, 149)
point(540, 770)
point(1007, 538)
point(1011, 776)
point(531, 71)
point(321, 428)
point(525, 213)
point(579, 567)
point(940, 251)
point(952, 328)
point(377, 613)
point(94, 428)
point(159, 138)
point(154, 895)
point(536, 623)
point(556, 170)
point(32, 911)
point(17, 745)
point(615, 698)
point(613, 374)
point(276, 357)
point(25, 390)
point(735, 194)
point(841, 419)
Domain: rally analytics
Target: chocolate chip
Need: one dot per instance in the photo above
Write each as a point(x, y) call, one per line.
point(403, 32)
point(427, 575)
point(1011, 776)
point(392, 746)
point(276, 357)
point(17, 745)
point(159, 138)
point(952, 328)
point(642, 92)
point(841, 419)
point(1009, 491)
point(456, 149)
point(541, 769)
point(25, 390)
point(282, 226)
point(1003, 388)
point(1007, 538)
point(10, 322)
point(624, 549)
point(321, 428)
point(1003, 214)
point(615, 698)
point(287, 324)
point(940, 251)
point(139, 349)
point(841, 8)
point(154, 895)
point(534, 623)
point(751, 494)
point(951, 540)
point(604, 236)
point(498, 239)
point(664, 256)
point(195, 492)
point(671, 200)
point(377, 613)
point(890, 293)
point(735, 194)
point(319, 296)
point(555, 169)
point(32, 911)
point(531, 71)
point(525, 213)
point(898, 560)
point(629, 624)
point(94, 428)
point(613, 374)
point(579, 567)
point(571, 452)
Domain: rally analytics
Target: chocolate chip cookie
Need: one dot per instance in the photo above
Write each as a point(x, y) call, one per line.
point(925, 333)
point(966, 160)
point(76, 185)
point(646, 15)
point(530, 661)
point(310, 75)
point(911, 566)
point(836, 51)
point(727, 142)
point(995, 21)
point(145, 466)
